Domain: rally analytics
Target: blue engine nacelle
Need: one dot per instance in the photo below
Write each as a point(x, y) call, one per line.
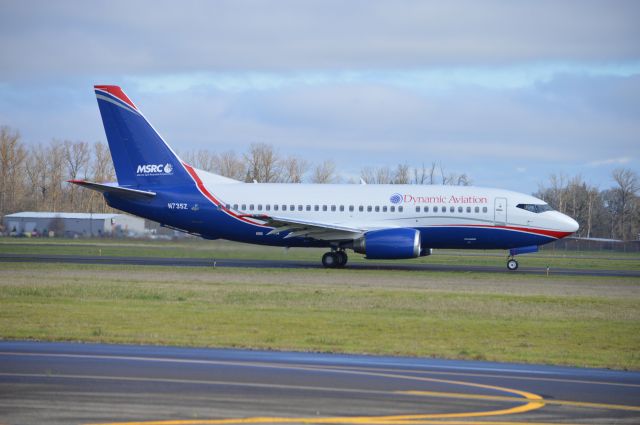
point(389, 244)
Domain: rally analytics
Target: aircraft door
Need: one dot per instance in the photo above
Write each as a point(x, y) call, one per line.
point(500, 212)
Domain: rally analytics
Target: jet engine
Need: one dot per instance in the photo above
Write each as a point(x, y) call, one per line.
point(389, 244)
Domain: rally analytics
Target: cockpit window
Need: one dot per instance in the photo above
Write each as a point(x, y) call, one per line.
point(535, 208)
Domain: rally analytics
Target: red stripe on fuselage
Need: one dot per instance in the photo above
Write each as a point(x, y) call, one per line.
point(212, 198)
point(544, 232)
point(117, 92)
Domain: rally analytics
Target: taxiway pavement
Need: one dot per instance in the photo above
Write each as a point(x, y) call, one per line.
point(294, 264)
point(69, 383)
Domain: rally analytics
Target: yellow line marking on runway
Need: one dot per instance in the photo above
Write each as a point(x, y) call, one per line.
point(604, 406)
point(531, 401)
point(337, 420)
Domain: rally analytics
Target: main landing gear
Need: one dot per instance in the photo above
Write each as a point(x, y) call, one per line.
point(512, 264)
point(335, 259)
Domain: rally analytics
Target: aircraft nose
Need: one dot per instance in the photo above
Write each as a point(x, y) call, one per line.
point(570, 224)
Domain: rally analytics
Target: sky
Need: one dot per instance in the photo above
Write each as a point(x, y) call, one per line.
point(508, 92)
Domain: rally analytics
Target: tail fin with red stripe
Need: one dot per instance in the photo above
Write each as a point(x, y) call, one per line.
point(140, 156)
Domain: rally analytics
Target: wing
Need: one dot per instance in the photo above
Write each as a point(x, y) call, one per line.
point(308, 229)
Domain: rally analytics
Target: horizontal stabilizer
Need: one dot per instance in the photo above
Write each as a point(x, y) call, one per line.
point(109, 188)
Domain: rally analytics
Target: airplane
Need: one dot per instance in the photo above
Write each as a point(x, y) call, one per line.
point(380, 221)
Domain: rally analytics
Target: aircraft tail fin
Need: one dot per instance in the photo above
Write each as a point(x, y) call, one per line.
point(141, 157)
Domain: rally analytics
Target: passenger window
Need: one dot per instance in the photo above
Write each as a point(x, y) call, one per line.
point(377, 208)
point(292, 207)
point(284, 208)
point(235, 206)
point(400, 208)
point(468, 209)
point(477, 209)
point(228, 206)
point(333, 207)
point(275, 207)
point(384, 208)
point(267, 207)
point(484, 209)
point(393, 208)
point(316, 207)
point(418, 208)
point(426, 209)
point(308, 207)
point(452, 209)
point(341, 208)
point(435, 209)
point(244, 207)
point(360, 208)
point(259, 207)
point(369, 209)
point(459, 209)
point(299, 207)
point(251, 207)
point(324, 208)
point(351, 208)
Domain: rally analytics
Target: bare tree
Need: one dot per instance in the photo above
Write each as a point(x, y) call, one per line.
point(76, 158)
point(229, 165)
point(367, 174)
point(401, 175)
point(293, 169)
point(205, 160)
point(262, 164)
point(424, 175)
point(324, 173)
point(12, 156)
point(381, 175)
point(625, 192)
point(54, 158)
point(102, 165)
point(101, 171)
point(463, 180)
point(592, 195)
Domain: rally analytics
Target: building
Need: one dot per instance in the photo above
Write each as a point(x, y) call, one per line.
point(73, 224)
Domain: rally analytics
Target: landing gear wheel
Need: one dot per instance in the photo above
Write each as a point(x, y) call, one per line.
point(342, 258)
point(330, 260)
point(512, 264)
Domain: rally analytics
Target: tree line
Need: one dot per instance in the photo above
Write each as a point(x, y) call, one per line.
point(612, 213)
point(33, 178)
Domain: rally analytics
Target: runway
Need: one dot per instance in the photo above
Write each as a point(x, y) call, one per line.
point(67, 383)
point(294, 264)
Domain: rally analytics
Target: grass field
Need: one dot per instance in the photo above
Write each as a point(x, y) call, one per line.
point(223, 249)
point(503, 317)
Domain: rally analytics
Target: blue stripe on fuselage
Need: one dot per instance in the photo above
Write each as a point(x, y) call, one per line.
point(194, 213)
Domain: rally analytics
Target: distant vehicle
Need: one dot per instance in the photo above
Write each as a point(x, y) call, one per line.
point(379, 221)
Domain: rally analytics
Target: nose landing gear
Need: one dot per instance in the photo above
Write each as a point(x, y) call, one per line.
point(335, 259)
point(512, 264)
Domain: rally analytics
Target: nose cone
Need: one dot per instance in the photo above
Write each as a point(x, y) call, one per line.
point(569, 224)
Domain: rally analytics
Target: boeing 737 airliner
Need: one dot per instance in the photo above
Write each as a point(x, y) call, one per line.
point(379, 221)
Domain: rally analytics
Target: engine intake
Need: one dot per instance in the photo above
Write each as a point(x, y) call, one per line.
point(389, 244)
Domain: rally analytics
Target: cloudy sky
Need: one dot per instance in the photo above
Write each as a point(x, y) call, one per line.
point(506, 91)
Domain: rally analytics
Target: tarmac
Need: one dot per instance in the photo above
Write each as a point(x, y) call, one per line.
point(73, 383)
point(294, 264)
